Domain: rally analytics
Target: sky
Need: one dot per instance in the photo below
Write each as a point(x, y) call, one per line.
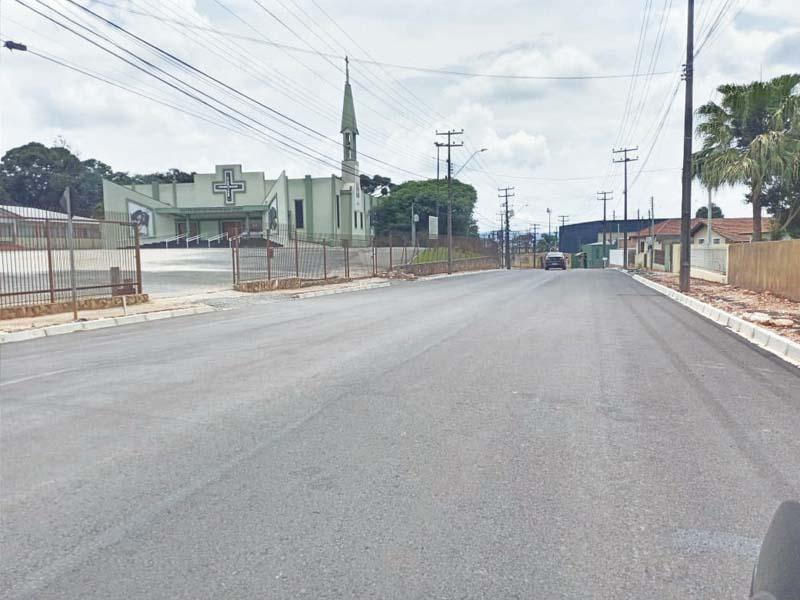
point(278, 76)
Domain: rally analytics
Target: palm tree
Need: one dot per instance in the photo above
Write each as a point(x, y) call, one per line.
point(751, 137)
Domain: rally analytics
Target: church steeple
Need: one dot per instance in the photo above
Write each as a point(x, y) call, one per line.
point(349, 130)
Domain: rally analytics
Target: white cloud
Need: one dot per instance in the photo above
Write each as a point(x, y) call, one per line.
point(545, 129)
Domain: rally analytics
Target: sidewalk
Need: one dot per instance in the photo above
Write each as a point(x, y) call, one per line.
point(12, 330)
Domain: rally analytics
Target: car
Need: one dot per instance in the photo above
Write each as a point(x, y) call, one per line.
point(555, 260)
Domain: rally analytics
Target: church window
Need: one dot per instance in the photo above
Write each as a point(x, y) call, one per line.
point(355, 219)
point(338, 212)
point(361, 215)
point(298, 214)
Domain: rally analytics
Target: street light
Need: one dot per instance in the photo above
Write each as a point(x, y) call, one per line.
point(469, 159)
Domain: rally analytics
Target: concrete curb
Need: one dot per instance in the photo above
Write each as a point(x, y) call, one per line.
point(354, 288)
point(30, 334)
point(456, 274)
point(769, 340)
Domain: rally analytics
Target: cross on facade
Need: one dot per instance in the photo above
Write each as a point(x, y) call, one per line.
point(228, 186)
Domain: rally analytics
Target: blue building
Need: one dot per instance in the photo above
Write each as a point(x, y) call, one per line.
point(572, 237)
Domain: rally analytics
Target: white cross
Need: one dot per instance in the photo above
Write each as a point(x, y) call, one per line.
point(228, 186)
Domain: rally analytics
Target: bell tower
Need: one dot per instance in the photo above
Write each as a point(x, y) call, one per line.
point(349, 131)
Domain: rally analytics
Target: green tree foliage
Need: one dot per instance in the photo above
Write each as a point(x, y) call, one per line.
point(716, 212)
point(377, 185)
point(35, 175)
point(393, 212)
point(752, 137)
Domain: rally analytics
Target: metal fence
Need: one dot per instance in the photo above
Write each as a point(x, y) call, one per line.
point(710, 259)
point(286, 253)
point(35, 260)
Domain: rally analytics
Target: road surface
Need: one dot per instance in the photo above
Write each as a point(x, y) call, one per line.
point(503, 435)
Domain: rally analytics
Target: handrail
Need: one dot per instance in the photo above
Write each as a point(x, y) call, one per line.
point(194, 238)
point(174, 238)
point(215, 238)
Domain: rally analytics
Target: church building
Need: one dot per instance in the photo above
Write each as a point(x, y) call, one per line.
point(230, 201)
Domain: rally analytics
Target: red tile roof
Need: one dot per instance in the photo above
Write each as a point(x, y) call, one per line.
point(735, 230)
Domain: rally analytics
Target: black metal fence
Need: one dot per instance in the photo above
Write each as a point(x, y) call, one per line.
point(35, 266)
point(285, 253)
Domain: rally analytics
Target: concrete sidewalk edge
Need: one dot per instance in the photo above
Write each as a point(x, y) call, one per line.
point(779, 345)
point(51, 330)
point(342, 290)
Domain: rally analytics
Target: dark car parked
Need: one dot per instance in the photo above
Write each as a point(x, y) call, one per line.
point(555, 260)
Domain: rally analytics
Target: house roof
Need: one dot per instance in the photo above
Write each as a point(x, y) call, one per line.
point(29, 212)
point(736, 229)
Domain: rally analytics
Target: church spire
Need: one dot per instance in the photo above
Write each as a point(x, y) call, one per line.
point(348, 110)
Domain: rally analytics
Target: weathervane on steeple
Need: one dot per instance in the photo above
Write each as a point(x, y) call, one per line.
point(346, 69)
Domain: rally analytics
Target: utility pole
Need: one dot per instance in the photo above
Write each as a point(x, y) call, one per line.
point(686, 187)
point(708, 218)
point(549, 229)
point(652, 233)
point(564, 219)
point(605, 226)
point(625, 160)
point(535, 231)
point(413, 226)
point(505, 194)
point(437, 160)
point(450, 144)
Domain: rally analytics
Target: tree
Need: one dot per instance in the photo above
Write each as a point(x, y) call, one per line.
point(377, 185)
point(751, 137)
point(393, 212)
point(716, 212)
point(35, 175)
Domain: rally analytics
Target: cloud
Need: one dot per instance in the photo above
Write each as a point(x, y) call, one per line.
point(786, 51)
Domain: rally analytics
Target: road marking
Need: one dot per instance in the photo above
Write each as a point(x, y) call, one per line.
point(37, 376)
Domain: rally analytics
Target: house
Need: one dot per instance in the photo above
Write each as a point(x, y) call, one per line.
point(667, 236)
point(723, 232)
point(26, 227)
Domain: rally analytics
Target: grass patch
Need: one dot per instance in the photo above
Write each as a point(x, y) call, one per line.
point(429, 255)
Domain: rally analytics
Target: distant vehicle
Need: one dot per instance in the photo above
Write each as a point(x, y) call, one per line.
point(555, 260)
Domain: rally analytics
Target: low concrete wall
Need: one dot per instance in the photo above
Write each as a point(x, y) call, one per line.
point(290, 283)
point(37, 310)
point(464, 264)
point(766, 266)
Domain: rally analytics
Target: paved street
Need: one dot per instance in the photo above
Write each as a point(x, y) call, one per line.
point(502, 435)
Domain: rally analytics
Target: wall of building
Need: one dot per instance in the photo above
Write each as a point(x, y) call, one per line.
point(116, 202)
point(702, 234)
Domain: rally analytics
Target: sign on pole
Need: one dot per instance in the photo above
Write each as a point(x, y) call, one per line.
point(433, 227)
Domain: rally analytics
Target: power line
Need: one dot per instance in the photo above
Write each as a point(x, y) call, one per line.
point(433, 70)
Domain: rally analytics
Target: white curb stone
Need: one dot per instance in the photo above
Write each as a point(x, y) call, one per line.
point(33, 333)
point(769, 340)
point(355, 288)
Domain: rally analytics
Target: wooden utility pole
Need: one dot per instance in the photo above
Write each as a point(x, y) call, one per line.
point(625, 160)
point(605, 224)
point(505, 194)
point(686, 187)
point(449, 133)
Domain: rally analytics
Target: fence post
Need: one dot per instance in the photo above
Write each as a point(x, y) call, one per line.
point(324, 260)
point(374, 259)
point(269, 258)
point(138, 258)
point(50, 274)
point(296, 258)
point(390, 253)
point(234, 261)
point(346, 259)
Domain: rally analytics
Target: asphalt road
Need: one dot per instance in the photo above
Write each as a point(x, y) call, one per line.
point(504, 435)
